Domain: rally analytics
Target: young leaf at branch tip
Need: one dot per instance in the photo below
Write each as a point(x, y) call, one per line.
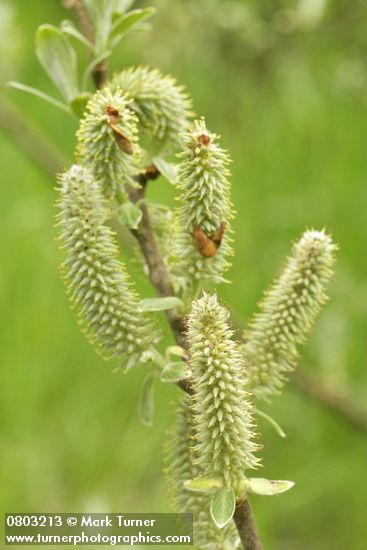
point(203, 242)
point(180, 467)
point(96, 280)
point(288, 312)
point(162, 106)
point(146, 401)
point(58, 58)
point(103, 14)
point(159, 304)
point(108, 140)
point(127, 22)
point(223, 413)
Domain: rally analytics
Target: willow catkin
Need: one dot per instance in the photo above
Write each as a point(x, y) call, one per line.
point(162, 106)
point(108, 140)
point(96, 280)
point(224, 427)
point(288, 312)
point(180, 466)
point(203, 243)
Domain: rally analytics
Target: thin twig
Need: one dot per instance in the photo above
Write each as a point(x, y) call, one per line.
point(158, 272)
point(246, 527)
point(346, 407)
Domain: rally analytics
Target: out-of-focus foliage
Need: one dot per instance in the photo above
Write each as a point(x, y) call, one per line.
point(294, 118)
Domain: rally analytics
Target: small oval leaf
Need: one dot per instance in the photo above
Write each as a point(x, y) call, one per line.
point(146, 401)
point(267, 487)
point(126, 22)
point(129, 215)
point(222, 506)
point(173, 372)
point(58, 58)
point(203, 484)
point(159, 304)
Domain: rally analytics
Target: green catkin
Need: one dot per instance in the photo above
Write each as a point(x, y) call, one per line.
point(224, 427)
point(288, 312)
point(180, 467)
point(205, 208)
point(108, 140)
point(162, 106)
point(96, 280)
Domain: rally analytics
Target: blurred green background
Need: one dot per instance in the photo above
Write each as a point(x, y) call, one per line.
point(285, 84)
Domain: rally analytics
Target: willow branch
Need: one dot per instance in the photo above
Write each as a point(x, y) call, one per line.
point(246, 527)
point(158, 272)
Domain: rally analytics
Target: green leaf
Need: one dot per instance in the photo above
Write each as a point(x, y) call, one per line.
point(58, 58)
point(146, 401)
point(203, 485)
point(79, 103)
point(129, 215)
point(222, 506)
point(102, 13)
point(68, 27)
point(41, 95)
point(268, 487)
point(173, 372)
point(159, 304)
point(126, 22)
point(273, 423)
point(167, 169)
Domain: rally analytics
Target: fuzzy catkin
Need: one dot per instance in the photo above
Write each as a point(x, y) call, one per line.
point(224, 427)
point(96, 280)
point(180, 466)
point(288, 312)
point(202, 250)
point(108, 140)
point(162, 106)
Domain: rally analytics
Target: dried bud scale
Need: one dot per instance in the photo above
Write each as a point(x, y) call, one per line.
point(180, 466)
point(108, 140)
point(224, 427)
point(162, 106)
point(96, 280)
point(204, 242)
point(288, 312)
